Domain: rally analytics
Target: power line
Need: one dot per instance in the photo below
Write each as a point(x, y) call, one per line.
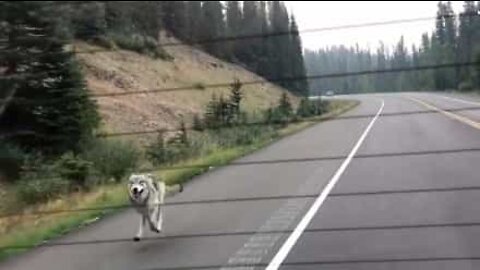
point(284, 79)
point(281, 197)
point(246, 233)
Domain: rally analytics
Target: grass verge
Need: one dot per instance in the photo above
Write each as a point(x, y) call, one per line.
point(33, 230)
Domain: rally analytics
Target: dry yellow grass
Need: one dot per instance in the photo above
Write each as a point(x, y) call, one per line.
point(119, 71)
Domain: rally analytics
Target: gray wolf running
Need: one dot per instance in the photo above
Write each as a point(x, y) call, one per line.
point(147, 196)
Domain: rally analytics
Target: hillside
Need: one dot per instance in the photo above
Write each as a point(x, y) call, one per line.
point(119, 71)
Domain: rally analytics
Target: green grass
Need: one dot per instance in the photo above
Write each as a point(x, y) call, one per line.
point(31, 231)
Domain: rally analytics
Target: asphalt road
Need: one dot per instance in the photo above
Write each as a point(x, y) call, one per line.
point(402, 202)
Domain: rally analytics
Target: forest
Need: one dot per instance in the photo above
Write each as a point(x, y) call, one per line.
point(455, 39)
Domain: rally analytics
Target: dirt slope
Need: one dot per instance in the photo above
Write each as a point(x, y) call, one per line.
point(119, 71)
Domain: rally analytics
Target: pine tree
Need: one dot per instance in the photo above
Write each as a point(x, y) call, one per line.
point(211, 112)
point(466, 38)
point(194, 20)
point(89, 21)
point(213, 27)
point(263, 59)
point(197, 123)
point(234, 25)
point(183, 135)
point(478, 71)
point(300, 84)
point(279, 44)
point(284, 105)
point(400, 61)
point(47, 77)
point(175, 18)
point(235, 97)
point(249, 26)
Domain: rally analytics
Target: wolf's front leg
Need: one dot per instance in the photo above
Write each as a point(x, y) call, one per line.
point(140, 229)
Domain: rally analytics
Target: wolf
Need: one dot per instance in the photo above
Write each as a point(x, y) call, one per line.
point(147, 196)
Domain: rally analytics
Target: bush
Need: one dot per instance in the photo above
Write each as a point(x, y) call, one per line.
point(465, 86)
point(32, 189)
point(141, 44)
point(169, 151)
point(112, 159)
point(74, 169)
point(198, 124)
point(11, 161)
point(305, 108)
point(199, 86)
point(104, 42)
point(309, 108)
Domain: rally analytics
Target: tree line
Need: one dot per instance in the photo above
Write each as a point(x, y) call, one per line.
point(455, 39)
point(210, 25)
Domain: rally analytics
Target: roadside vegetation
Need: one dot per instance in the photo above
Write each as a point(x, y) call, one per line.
point(94, 177)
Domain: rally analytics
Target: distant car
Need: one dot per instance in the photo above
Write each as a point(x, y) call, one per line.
point(329, 93)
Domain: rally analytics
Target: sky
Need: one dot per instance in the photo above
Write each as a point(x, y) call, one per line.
point(321, 14)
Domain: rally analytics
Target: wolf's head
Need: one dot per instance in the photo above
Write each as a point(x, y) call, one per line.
point(138, 188)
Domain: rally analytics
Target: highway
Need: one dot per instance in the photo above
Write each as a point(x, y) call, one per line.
point(392, 184)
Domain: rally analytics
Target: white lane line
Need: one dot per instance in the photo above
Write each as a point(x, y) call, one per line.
point(302, 225)
point(459, 100)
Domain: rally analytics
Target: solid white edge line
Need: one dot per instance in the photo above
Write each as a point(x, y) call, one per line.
point(302, 225)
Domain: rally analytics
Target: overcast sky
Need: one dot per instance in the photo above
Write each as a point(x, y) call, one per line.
point(311, 15)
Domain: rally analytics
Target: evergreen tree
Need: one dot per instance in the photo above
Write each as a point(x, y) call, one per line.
point(249, 27)
point(234, 25)
point(52, 111)
point(284, 105)
point(236, 97)
point(213, 27)
point(466, 38)
point(89, 20)
point(263, 59)
point(194, 20)
point(300, 85)
point(175, 18)
point(279, 56)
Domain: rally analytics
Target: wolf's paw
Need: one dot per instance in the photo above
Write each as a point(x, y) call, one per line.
point(136, 238)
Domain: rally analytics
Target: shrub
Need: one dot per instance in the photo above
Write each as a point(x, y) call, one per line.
point(111, 158)
point(168, 151)
point(140, 44)
point(11, 161)
point(31, 189)
point(465, 86)
point(198, 124)
point(73, 168)
point(199, 86)
point(309, 108)
point(305, 108)
point(105, 42)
